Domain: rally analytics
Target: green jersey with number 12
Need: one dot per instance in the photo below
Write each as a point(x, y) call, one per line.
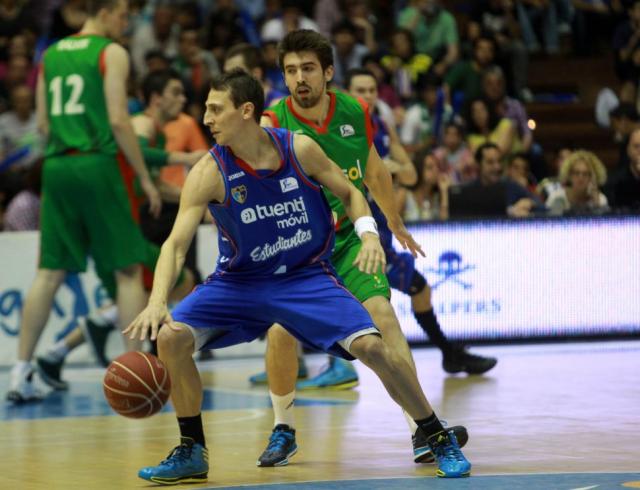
point(76, 107)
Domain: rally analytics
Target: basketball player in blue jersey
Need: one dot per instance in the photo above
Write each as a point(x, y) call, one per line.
point(264, 189)
point(401, 271)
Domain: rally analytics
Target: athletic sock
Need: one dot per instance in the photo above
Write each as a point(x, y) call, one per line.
point(192, 427)
point(430, 426)
point(57, 352)
point(283, 408)
point(105, 316)
point(429, 323)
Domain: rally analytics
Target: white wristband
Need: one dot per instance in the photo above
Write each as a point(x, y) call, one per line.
point(365, 224)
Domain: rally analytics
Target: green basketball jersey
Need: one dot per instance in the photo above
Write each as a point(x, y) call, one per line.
point(76, 106)
point(345, 137)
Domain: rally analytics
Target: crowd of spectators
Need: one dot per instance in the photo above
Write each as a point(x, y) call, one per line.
point(453, 83)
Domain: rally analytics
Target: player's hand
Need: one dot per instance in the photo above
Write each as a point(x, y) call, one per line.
point(151, 318)
point(155, 202)
point(404, 237)
point(371, 258)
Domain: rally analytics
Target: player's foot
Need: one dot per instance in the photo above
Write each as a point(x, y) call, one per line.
point(261, 378)
point(339, 375)
point(421, 449)
point(458, 359)
point(49, 371)
point(22, 389)
point(282, 445)
point(187, 463)
point(449, 458)
point(96, 336)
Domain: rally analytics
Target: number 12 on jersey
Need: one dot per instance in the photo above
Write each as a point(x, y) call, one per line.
point(72, 105)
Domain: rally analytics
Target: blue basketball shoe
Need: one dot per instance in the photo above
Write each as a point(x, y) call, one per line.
point(261, 378)
point(282, 445)
point(421, 449)
point(339, 375)
point(451, 462)
point(187, 463)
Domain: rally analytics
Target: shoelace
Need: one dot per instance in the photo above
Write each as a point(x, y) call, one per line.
point(179, 454)
point(277, 440)
point(449, 451)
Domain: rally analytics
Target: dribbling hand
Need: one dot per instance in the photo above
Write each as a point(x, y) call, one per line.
point(371, 256)
point(405, 238)
point(151, 318)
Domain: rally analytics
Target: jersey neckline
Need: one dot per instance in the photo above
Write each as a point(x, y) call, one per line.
point(325, 124)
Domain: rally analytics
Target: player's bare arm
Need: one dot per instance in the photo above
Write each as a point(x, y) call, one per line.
point(41, 105)
point(404, 169)
point(115, 77)
point(378, 180)
point(203, 185)
point(317, 165)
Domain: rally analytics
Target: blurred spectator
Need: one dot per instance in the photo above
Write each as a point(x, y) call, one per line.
point(497, 19)
point(156, 60)
point(249, 58)
point(20, 140)
point(18, 17)
point(464, 80)
point(435, 32)
point(424, 120)
point(273, 73)
point(360, 15)
point(386, 91)
point(224, 28)
point(158, 35)
point(291, 19)
point(347, 52)
point(23, 211)
point(623, 189)
point(626, 43)
point(624, 120)
point(428, 199)
point(196, 67)
point(188, 16)
point(404, 64)
point(495, 90)
point(19, 71)
point(519, 202)
point(532, 13)
point(487, 126)
point(327, 14)
point(592, 25)
point(582, 175)
point(454, 156)
point(67, 19)
point(549, 184)
point(519, 170)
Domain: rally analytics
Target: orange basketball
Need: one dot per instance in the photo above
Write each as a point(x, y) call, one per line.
point(136, 384)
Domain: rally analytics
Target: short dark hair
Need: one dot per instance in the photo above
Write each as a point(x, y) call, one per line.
point(155, 83)
point(251, 55)
point(479, 154)
point(243, 87)
point(95, 6)
point(356, 72)
point(625, 110)
point(306, 40)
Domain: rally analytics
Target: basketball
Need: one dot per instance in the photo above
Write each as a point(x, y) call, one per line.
point(136, 384)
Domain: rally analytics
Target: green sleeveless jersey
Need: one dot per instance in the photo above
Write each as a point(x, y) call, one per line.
point(76, 106)
point(345, 136)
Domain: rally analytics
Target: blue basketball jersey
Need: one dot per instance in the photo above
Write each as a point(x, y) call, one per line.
point(380, 135)
point(270, 222)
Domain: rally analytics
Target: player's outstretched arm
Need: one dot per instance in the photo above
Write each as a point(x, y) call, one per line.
point(378, 180)
point(317, 165)
point(203, 184)
point(41, 104)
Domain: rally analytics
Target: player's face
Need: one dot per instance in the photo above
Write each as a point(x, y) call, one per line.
point(173, 99)
point(580, 176)
point(364, 86)
point(116, 19)
point(305, 78)
point(222, 118)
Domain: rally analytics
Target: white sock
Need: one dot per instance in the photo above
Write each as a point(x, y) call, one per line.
point(283, 408)
point(57, 352)
point(21, 369)
point(413, 427)
point(106, 316)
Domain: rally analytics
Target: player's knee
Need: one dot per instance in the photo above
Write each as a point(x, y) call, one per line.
point(370, 349)
point(129, 272)
point(51, 277)
point(279, 338)
point(175, 343)
point(418, 284)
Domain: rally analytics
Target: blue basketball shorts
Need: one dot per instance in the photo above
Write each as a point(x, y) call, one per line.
point(311, 303)
point(400, 269)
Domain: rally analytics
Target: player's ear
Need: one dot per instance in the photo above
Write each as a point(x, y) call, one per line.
point(247, 110)
point(328, 73)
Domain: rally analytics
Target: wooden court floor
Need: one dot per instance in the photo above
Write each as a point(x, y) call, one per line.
point(554, 416)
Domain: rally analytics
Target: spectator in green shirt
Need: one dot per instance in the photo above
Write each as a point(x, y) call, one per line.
point(464, 80)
